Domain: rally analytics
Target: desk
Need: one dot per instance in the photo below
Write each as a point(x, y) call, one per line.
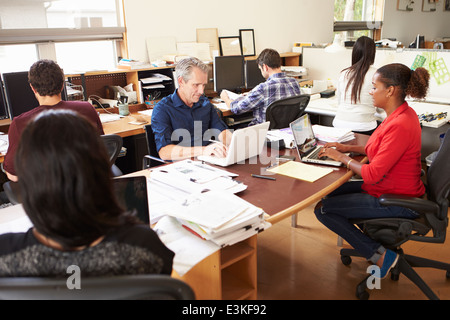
point(326, 108)
point(123, 128)
point(230, 273)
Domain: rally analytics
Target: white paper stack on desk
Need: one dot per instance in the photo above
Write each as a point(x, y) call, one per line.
point(332, 134)
point(203, 200)
point(223, 218)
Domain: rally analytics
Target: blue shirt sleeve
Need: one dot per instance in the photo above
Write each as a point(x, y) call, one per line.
point(161, 125)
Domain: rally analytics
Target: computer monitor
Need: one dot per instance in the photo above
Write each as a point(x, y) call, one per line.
point(253, 75)
point(19, 96)
point(3, 107)
point(229, 73)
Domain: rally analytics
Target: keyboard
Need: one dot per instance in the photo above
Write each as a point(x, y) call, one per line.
point(314, 155)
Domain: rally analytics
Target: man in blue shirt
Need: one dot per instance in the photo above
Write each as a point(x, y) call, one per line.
point(185, 122)
point(276, 87)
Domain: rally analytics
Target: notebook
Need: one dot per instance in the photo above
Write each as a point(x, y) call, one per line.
point(131, 192)
point(245, 143)
point(306, 143)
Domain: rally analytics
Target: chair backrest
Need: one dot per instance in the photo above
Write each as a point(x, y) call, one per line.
point(11, 191)
point(152, 151)
point(282, 112)
point(113, 143)
point(438, 177)
point(126, 287)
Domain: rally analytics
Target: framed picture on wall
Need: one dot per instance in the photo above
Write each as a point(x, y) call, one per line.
point(405, 5)
point(428, 5)
point(209, 35)
point(447, 5)
point(230, 46)
point(247, 42)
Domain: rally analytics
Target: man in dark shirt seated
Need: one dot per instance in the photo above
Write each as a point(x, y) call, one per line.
point(46, 80)
point(185, 122)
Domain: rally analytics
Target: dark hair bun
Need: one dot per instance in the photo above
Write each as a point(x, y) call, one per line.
point(418, 84)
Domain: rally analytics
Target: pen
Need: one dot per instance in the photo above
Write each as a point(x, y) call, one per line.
point(262, 177)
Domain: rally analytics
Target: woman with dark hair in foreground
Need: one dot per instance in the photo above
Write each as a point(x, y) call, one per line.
point(66, 186)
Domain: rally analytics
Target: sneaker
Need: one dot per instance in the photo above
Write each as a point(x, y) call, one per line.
point(390, 260)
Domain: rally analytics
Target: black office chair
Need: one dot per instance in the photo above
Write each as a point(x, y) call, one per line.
point(126, 287)
point(114, 144)
point(152, 159)
point(282, 112)
point(10, 189)
point(393, 232)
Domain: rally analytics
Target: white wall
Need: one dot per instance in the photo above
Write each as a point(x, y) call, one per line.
point(277, 24)
point(406, 25)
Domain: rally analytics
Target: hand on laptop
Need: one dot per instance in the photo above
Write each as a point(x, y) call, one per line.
point(330, 150)
point(216, 149)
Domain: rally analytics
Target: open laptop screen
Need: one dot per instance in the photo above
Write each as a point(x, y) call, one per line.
point(303, 135)
point(132, 194)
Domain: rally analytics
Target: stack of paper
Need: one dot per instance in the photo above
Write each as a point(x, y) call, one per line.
point(332, 134)
point(155, 81)
point(175, 182)
point(202, 198)
point(130, 64)
point(282, 134)
point(302, 171)
point(221, 217)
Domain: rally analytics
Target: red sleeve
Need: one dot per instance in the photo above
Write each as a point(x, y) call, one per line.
point(13, 141)
point(391, 149)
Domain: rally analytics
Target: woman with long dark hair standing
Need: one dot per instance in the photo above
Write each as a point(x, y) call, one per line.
point(355, 107)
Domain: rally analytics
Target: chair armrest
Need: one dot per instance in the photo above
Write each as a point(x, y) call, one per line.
point(417, 204)
point(146, 161)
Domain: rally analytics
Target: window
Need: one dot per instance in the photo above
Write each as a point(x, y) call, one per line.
point(56, 29)
point(17, 57)
point(355, 18)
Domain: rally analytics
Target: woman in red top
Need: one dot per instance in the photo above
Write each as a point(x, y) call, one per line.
point(394, 164)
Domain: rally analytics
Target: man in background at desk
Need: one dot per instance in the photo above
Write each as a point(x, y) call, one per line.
point(46, 80)
point(277, 86)
point(184, 122)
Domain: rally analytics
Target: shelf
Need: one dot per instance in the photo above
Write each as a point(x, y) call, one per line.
point(234, 288)
point(231, 255)
point(238, 270)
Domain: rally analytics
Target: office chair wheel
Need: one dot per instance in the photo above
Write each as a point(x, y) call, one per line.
point(346, 260)
point(395, 276)
point(361, 292)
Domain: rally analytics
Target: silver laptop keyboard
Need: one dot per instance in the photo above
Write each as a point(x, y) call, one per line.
point(314, 155)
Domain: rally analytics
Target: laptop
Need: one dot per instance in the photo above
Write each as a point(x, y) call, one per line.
point(306, 143)
point(245, 143)
point(131, 192)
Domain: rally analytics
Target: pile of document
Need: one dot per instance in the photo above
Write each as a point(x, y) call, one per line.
point(202, 198)
point(284, 135)
point(332, 134)
point(154, 81)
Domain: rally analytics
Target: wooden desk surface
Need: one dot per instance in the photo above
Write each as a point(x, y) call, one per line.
point(123, 127)
point(286, 196)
